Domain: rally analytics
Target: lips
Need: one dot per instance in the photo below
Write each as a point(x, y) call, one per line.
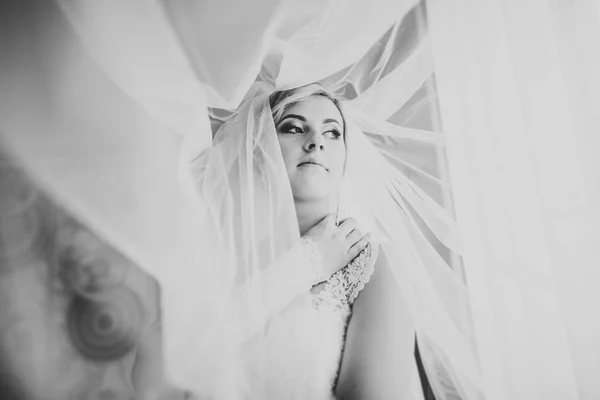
point(313, 162)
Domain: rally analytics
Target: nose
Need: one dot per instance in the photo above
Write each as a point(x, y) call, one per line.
point(315, 141)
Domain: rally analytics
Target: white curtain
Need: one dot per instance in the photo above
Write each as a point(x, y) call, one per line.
point(519, 89)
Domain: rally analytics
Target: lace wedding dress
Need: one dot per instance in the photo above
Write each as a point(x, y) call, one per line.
point(302, 347)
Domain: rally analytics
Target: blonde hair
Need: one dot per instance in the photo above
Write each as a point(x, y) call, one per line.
point(282, 100)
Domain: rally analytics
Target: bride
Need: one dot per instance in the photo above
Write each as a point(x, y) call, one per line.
point(298, 353)
point(292, 265)
point(302, 345)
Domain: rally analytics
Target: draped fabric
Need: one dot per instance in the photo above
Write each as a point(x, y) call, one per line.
point(177, 59)
point(183, 57)
point(518, 85)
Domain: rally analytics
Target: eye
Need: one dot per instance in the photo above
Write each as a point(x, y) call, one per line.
point(333, 134)
point(289, 128)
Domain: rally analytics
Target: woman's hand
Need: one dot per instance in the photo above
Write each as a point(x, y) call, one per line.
point(339, 244)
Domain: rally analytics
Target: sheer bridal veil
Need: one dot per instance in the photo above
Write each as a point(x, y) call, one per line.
point(206, 71)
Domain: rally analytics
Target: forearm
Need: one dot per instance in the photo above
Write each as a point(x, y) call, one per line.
point(269, 291)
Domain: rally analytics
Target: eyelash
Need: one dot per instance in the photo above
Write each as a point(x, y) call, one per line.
point(336, 133)
point(289, 129)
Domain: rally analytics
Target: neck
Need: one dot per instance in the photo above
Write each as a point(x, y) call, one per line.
point(310, 213)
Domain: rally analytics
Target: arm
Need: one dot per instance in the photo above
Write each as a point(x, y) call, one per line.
point(251, 305)
point(378, 359)
point(324, 250)
point(246, 309)
point(267, 293)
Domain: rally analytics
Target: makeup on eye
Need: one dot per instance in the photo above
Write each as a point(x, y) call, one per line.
point(294, 128)
point(291, 128)
point(335, 134)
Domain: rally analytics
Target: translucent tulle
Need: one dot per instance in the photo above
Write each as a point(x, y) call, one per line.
point(180, 58)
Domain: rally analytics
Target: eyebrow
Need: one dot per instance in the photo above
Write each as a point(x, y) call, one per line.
point(301, 118)
point(329, 120)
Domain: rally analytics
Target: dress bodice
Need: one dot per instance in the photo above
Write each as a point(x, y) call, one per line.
point(297, 355)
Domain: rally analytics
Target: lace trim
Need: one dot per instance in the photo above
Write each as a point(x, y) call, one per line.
point(358, 272)
point(343, 287)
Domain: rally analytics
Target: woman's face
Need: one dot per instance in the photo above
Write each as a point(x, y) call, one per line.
point(313, 146)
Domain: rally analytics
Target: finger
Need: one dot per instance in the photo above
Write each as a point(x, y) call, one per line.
point(329, 219)
point(358, 247)
point(353, 237)
point(347, 226)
